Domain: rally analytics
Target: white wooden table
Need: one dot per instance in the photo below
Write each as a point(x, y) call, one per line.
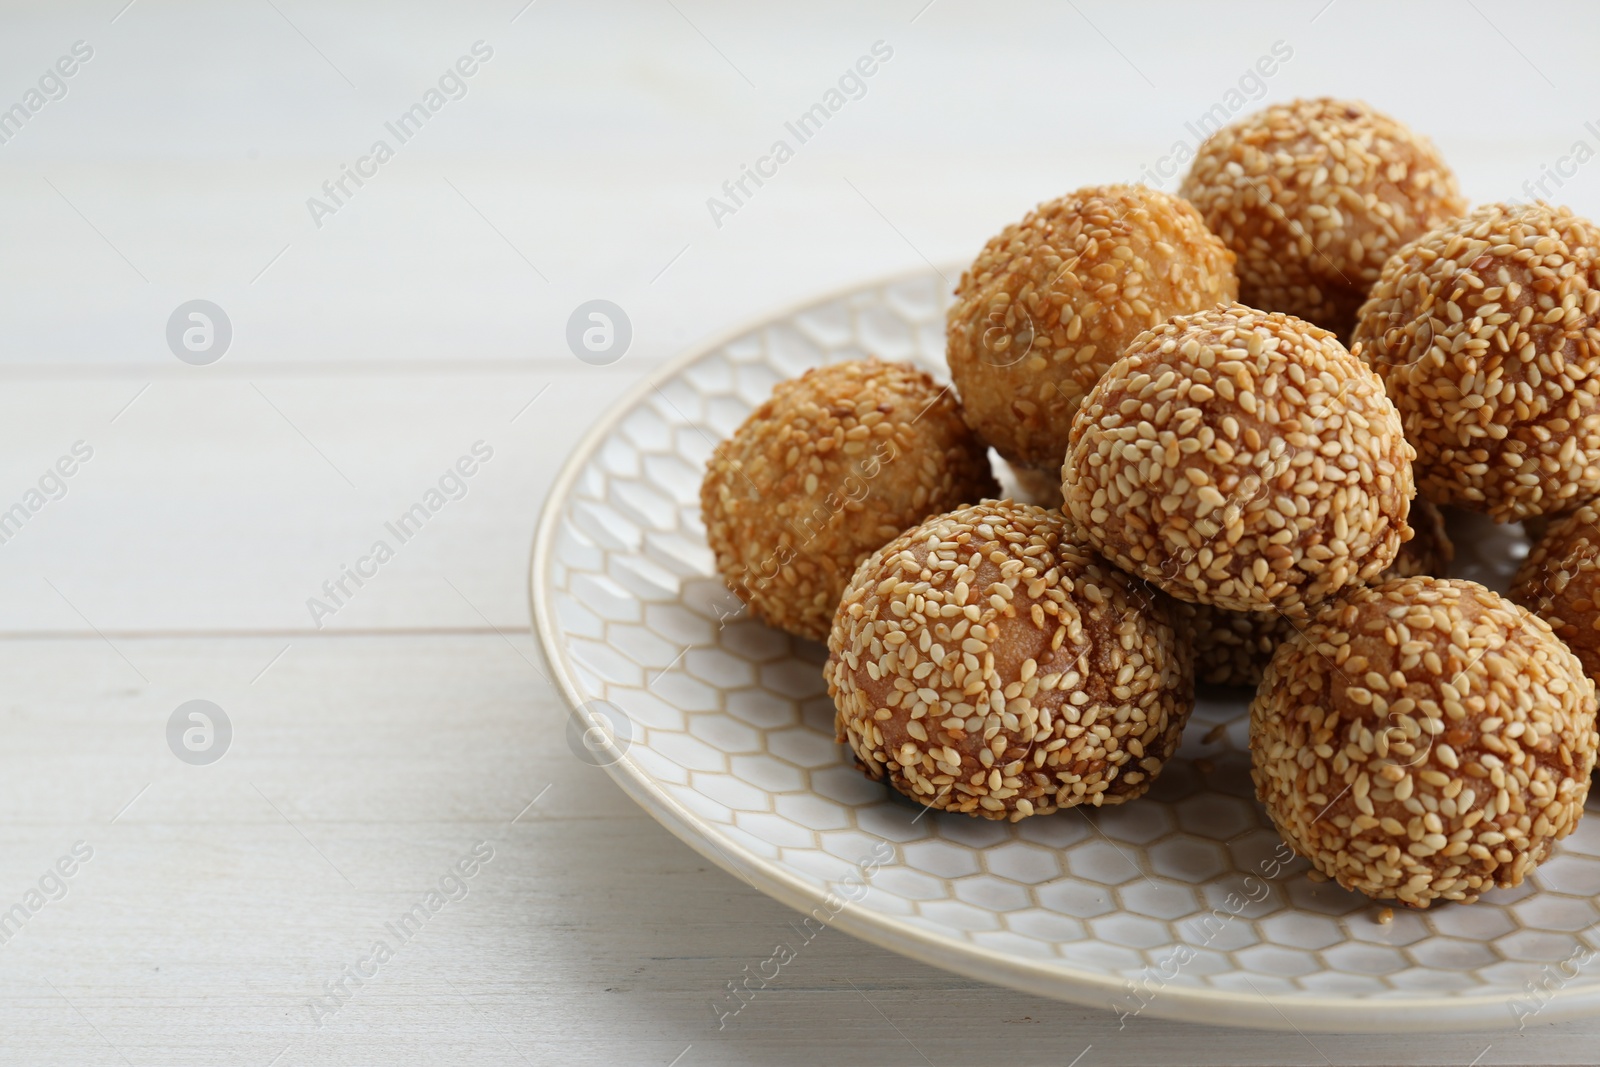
point(371, 754)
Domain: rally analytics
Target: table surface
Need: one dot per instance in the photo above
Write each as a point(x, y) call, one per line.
point(376, 339)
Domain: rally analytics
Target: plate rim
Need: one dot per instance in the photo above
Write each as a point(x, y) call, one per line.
point(1058, 980)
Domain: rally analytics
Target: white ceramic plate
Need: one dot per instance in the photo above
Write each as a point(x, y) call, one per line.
point(1179, 904)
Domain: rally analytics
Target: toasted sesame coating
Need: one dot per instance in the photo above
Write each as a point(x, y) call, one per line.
point(1234, 647)
point(1052, 301)
point(982, 663)
point(1487, 333)
point(1423, 739)
point(1241, 459)
point(1314, 196)
point(1560, 582)
point(836, 463)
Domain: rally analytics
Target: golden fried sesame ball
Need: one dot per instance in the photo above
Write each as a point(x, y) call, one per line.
point(835, 464)
point(1314, 196)
point(1560, 583)
point(983, 663)
point(1241, 459)
point(1051, 302)
point(1485, 331)
point(1424, 739)
point(1233, 647)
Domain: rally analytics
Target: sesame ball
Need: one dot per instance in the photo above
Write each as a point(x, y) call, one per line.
point(1241, 459)
point(983, 663)
point(1424, 739)
point(1314, 196)
point(1560, 583)
point(835, 464)
point(1052, 301)
point(1234, 647)
point(1484, 331)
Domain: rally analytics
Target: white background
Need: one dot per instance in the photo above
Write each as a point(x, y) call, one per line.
point(372, 351)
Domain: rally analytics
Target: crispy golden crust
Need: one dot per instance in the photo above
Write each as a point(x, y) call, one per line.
point(1560, 581)
point(1050, 303)
point(1424, 739)
point(1243, 460)
point(1314, 196)
point(982, 663)
point(1487, 333)
point(1234, 647)
point(836, 463)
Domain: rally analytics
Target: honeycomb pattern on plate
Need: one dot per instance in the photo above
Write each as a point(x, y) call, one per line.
point(732, 721)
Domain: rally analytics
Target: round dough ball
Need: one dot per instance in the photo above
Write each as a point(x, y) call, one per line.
point(1243, 460)
point(1314, 196)
point(1234, 647)
point(983, 663)
point(1424, 739)
point(1560, 583)
point(1484, 331)
point(835, 464)
point(1052, 301)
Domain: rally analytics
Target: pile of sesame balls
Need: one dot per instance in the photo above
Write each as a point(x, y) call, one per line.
point(1236, 414)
